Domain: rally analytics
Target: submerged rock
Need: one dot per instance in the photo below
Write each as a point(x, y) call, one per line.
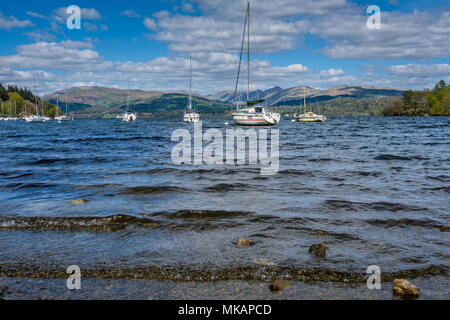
point(78, 201)
point(318, 250)
point(280, 284)
point(244, 242)
point(406, 289)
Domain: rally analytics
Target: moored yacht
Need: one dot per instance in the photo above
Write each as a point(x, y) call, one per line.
point(128, 116)
point(189, 114)
point(308, 116)
point(256, 112)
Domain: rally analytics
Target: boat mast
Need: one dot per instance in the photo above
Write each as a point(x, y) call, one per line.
point(248, 52)
point(35, 91)
point(190, 83)
point(304, 89)
point(128, 95)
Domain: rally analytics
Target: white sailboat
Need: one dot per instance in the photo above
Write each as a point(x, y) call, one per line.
point(128, 116)
point(2, 117)
point(35, 117)
point(10, 117)
point(189, 114)
point(308, 116)
point(255, 114)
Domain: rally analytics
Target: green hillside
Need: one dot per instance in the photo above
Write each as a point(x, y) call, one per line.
point(106, 102)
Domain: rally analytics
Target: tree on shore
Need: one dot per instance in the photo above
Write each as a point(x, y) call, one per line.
point(3, 93)
point(434, 102)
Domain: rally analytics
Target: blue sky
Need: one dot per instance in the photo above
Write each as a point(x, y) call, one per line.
point(148, 43)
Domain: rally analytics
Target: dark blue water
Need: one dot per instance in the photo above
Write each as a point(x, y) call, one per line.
point(375, 191)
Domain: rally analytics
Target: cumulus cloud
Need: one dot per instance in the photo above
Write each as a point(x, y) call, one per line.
point(420, 70)
point(150, 24)
point(402, 36)
point(11, 22)
point(36, 15)
point(281, 25)
point(130, 14)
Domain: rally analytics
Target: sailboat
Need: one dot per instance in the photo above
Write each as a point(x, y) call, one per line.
point(128, 116)
point(308, 116)
point(2, 116)
point(10, 117)
point(63, 117)
point(189, 114)
point(35, 117)
point(255, 114)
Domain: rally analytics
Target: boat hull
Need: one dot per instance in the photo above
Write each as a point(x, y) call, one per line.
point(244, 119)
point(310, 120)
point(191, 117)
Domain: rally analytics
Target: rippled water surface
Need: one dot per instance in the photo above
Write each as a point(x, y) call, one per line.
point(373, 190)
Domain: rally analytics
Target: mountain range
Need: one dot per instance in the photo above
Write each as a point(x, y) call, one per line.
point(101, 101)
point(278, 96)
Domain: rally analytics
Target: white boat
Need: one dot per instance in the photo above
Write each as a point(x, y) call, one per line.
point(63, 117)
point(255, 113)
point(35, 117)
point(2, 118)
point(189, 114)
point(128, 116)
point(308, 116)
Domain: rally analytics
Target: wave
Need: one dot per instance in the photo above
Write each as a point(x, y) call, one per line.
point(144, 190)
point(391, 223)
point(227, 187)
point(203, 214)
point(192, 220)
point(389, 157)
point(31, 185)
point(377, 206)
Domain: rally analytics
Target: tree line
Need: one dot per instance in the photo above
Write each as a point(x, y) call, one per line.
point(21, 102)
point(435, 102)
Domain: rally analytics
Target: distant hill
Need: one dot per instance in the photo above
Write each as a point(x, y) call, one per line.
point(278, 96)
point(108, 102)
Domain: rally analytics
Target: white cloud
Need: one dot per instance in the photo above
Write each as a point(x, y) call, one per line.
point(420, 70)
point(332, 72)
point(76, 62)
point(39, 35)
point(36, 15)
point(90, 27)
point(281, 25)
point(150, 24)
point(11, 22)
point(130, 14)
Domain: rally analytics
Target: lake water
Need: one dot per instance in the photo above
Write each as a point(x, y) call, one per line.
point(374, 190)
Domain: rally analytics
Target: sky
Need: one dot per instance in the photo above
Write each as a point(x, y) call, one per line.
point(146, 44)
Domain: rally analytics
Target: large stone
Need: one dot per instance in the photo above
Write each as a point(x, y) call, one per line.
point(319, 250)
point(280, 284)
point(244, 242)
point(404, 288)
point(78, 201)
